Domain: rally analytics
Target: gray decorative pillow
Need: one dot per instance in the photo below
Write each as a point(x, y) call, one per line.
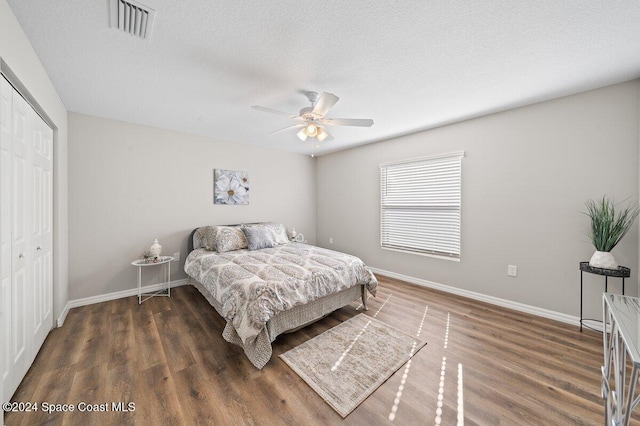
point(229, 238)
point(259, 237)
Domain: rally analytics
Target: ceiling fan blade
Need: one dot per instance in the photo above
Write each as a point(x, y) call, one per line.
point(288, 128)
point(361, 122)
point(324, 104)
point(274, 111)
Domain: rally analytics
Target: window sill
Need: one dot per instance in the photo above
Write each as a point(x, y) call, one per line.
point(437, 256)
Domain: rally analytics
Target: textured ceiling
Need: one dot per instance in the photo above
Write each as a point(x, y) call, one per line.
point(408, 65)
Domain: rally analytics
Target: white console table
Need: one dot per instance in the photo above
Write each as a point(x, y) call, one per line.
point(621, 338)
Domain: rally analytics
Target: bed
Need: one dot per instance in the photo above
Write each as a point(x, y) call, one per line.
point(264, 285)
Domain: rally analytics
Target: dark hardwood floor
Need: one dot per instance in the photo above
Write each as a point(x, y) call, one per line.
point(488, 364)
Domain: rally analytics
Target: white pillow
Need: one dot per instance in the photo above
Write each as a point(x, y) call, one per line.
point(204, 237)
point(229, 238)
point(280, 232)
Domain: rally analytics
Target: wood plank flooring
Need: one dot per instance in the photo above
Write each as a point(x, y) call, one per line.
point(168, 358)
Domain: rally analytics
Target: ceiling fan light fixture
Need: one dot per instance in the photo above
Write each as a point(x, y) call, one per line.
point(322, 135)
point(311, 121)
point(302, 134)
point(311, 130)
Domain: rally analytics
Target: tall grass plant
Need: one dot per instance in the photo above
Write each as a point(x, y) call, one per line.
point(608, 223)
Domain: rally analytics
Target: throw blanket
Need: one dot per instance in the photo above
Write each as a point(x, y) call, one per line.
point(253, 286)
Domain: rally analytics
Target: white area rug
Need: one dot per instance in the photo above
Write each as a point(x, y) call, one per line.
point(347, 363)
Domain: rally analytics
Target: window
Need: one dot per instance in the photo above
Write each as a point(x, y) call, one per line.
point(420, 205)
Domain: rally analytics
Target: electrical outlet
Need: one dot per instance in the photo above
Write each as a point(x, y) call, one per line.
point(512, 271)
point(176, 257)
point(330, 240)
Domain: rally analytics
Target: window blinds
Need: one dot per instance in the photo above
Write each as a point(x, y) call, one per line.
point(420, 205)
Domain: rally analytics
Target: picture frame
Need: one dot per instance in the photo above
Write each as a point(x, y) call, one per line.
point(230, 187)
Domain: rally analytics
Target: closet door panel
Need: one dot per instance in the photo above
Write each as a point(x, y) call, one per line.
point(36, 236)
point(6, 93)
point(41, 235)
point(47, 225)
point(21, 289)
point(47, 245)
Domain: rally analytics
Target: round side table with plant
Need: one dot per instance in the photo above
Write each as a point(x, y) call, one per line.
point(608, 226)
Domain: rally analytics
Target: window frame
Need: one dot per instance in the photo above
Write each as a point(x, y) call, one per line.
point(428, 160)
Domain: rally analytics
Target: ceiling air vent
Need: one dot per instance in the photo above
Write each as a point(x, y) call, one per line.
point(131, 17)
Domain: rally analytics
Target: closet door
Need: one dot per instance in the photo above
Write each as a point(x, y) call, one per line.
point(41, 234)
point(16, 296)
point(5, 228)
point(26, 284)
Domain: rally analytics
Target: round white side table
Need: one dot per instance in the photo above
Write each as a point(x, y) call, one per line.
point(166, 289)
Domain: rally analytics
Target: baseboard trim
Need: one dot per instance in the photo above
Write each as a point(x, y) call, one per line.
point(534, 310)
point(113, 296)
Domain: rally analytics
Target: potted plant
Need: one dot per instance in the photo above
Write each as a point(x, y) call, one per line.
point(146, 256)
point(608, 226)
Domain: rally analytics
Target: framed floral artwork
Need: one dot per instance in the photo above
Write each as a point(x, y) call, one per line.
point(230, 187)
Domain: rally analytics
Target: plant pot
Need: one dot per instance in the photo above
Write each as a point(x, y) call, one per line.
point(604, 260)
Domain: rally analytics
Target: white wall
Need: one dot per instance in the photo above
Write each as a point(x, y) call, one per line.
point(129, 184)
point(526, 175)
point(17, 53)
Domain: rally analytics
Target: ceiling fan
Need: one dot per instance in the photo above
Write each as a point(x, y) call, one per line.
point(312, 121)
